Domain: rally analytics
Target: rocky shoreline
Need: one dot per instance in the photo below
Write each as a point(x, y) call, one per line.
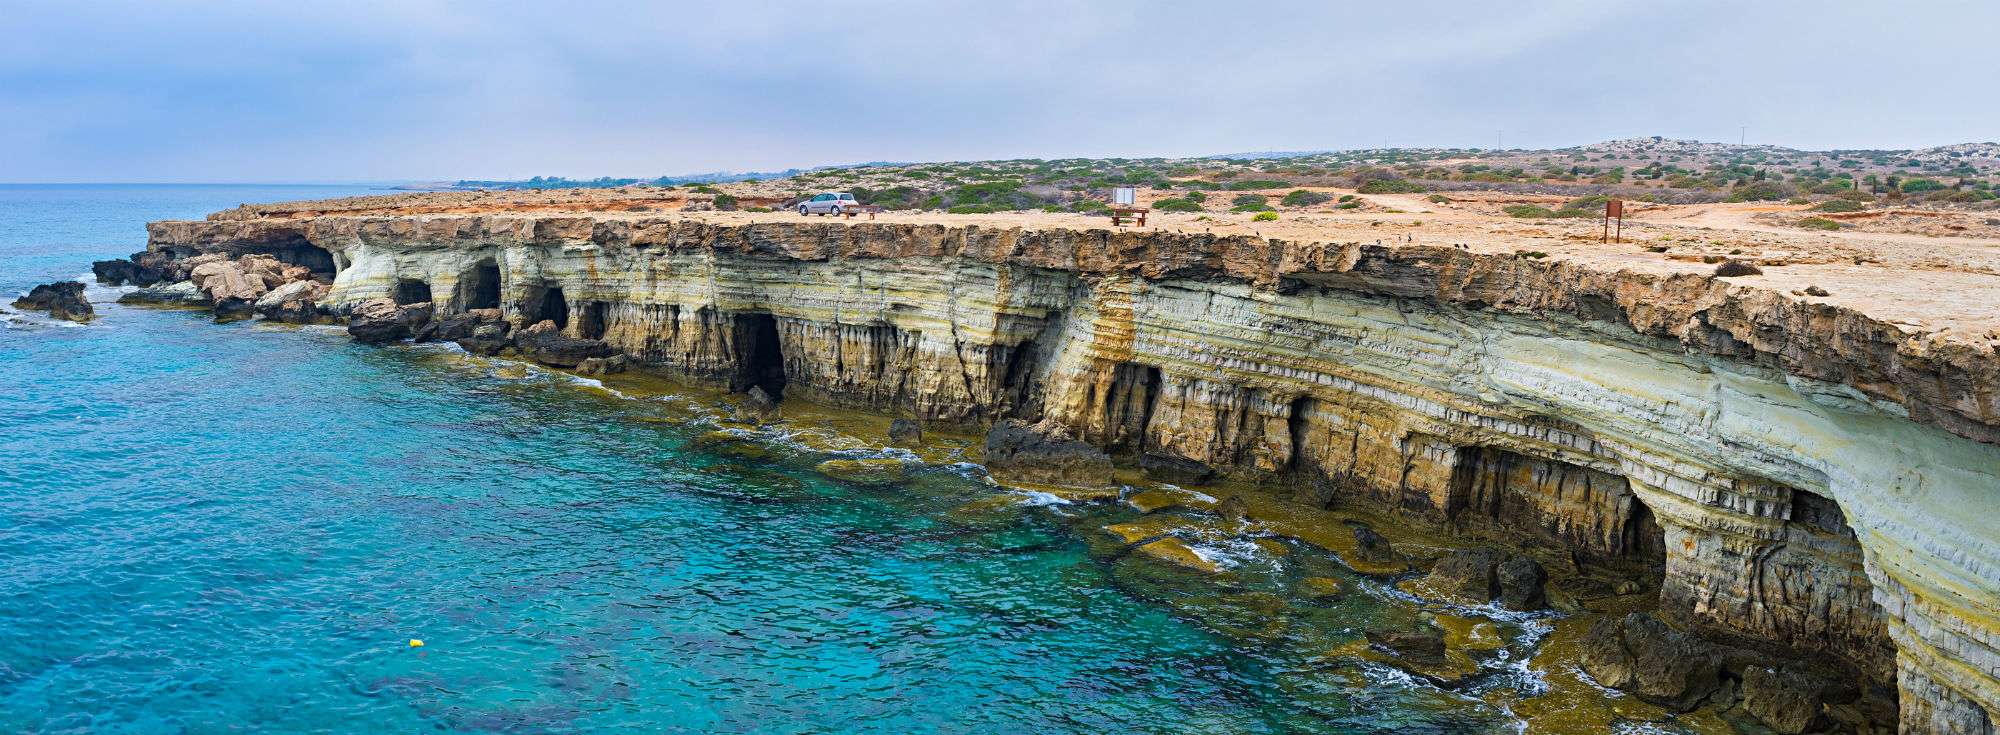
point(1790, 479)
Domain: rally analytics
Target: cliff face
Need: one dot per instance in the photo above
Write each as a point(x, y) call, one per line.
point(1806, 476)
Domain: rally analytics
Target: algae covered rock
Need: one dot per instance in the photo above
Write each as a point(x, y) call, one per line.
point(905, 433)
point(1477, 576)
point(865, 471)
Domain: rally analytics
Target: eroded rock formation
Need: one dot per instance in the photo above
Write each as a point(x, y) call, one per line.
point(1798, 476)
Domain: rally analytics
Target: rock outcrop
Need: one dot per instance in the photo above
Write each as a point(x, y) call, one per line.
point(1042, 453)
point(62, 300)
point(1794, 475)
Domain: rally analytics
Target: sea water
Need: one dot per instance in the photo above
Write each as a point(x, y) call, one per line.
point(238, 527)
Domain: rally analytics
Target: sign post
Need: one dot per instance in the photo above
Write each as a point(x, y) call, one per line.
point(1614, 208)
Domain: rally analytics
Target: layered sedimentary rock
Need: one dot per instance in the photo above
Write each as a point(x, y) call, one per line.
point(1801, 476)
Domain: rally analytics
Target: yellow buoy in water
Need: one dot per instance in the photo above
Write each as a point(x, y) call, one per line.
point(416, 643)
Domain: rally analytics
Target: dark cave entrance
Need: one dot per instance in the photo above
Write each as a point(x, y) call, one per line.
point(1297, 423)
point(411, 291)
point(546, 304)
point(299, 251)
point(760, 358)
point(590, 319)
point(480, 288)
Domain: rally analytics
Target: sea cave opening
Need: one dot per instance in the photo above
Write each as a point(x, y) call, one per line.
point(760, 357)
point(590, 319)
point(300, 251)
point(546, 304)
point(411, 291)
point(480, 287)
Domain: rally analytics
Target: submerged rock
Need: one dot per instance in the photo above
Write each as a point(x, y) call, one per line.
point(1043, 453)
point(760, 401)
point(1649, 659)
point(62, 300)
point(865, 471)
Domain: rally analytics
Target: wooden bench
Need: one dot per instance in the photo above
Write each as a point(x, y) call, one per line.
point(1120, 214)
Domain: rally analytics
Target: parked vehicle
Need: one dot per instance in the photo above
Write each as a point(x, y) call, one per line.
point(833, 202)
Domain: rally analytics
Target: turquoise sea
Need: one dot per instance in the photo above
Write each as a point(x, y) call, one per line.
point(224, 528)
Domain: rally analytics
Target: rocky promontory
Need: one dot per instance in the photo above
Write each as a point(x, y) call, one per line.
point(1794, 474)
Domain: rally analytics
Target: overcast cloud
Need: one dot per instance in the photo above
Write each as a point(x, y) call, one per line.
point(419, 90)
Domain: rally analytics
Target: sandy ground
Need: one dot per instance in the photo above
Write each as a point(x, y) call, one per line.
point(1909, 277)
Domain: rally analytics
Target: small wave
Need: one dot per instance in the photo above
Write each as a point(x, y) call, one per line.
point(1038, 499)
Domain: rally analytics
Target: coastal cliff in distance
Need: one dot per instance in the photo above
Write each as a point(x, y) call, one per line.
point(1796, 475)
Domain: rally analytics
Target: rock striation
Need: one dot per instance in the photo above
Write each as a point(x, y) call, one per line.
point(1799, 477)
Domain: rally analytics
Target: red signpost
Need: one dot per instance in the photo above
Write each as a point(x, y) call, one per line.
point(1614, 208)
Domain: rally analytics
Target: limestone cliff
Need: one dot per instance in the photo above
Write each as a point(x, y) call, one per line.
point(1801, 476)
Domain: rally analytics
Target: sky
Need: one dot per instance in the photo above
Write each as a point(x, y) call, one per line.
point(422, 90)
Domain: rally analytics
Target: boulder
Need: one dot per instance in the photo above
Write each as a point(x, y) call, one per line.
point(465, 324)
point(1371, 547)
point(1786, 700)
point(224, 279)
point(487, 339)
point(178, 293)
point(296, 302)
point(1466, 576)
point(1650, 660)
point(602, 365)
point(62, 300)
point(1174, 469)
point(1043, 453)
point(546, 344)
point(1523, 583)
point(760, 402)
point(905, 432)
point(1476, 576)
point(126, 272)
point(381, 321)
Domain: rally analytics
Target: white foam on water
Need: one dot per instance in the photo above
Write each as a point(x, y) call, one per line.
point(1039, 499)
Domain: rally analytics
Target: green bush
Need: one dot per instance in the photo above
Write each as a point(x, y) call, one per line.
point(1176, 205)
point(1303, 198)
point(1196, 196)
point(1594, 201)
point(1390, 186)
point(1438, 199)
point(1840, 205)
point(971, 209)
point(1088, 205)
point(1264, 217)
point(1527, 211)
point(1347, 205)
point(1914, 186)
point(756, 209)
point(1760, 191)
point(1819, 223)
point(1246, 199)
point(1345, 198)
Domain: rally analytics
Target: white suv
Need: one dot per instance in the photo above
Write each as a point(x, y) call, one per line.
point(829, 203)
